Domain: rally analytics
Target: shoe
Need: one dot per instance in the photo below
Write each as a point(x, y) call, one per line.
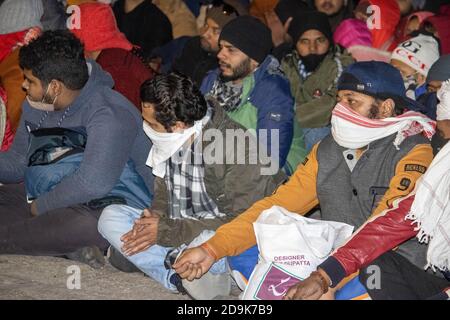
point(91, 256)
point(119, 262)
point(209, 286)
point(176, 281)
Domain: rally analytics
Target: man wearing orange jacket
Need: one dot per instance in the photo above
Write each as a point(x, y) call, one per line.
point(427, 205)
point(374, 156)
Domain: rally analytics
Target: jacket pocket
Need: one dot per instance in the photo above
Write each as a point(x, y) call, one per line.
point(375, 195)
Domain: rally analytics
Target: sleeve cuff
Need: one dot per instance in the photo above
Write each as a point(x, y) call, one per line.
point(215, 245)
point(334, 270)
point(164, 229)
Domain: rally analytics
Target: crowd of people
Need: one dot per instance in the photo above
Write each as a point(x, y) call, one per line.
point(119, 121)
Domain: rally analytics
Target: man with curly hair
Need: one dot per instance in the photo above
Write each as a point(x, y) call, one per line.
point(78, 148)
point(196, 188)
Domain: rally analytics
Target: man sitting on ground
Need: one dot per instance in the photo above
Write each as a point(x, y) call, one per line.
point(198, 184)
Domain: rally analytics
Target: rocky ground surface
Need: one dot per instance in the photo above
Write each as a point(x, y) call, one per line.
point(25, 277)
point(50, 278)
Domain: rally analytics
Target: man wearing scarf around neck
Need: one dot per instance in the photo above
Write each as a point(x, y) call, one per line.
point(252, 89)
point(375, 155)
point(428, 207)
point(193, 195)
point(313, 68)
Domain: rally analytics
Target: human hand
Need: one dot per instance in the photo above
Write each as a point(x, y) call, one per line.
point(312, 288)
point(193, 263)
point(279, 31)
point(143, 234)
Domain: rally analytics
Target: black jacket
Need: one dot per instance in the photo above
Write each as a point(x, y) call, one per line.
point(194, 61)
point(145, 26)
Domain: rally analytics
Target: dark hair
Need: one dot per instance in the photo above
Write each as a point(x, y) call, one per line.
point(56, 55)
point(175, 98)
point(399, 107)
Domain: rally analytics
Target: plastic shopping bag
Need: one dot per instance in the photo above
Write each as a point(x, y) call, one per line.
point(291, 247)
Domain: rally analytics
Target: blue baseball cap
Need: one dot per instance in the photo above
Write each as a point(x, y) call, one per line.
point(376, 79)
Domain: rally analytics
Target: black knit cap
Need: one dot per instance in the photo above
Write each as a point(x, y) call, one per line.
point(290, 8)
point(249, 35)
point(310, 20)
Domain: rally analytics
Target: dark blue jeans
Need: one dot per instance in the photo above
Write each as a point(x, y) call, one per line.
point(401, 280)
point(54, 233)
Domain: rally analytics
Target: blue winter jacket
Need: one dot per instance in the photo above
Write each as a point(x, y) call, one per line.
point(266, 103)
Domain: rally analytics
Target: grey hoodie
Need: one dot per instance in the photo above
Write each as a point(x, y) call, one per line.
point(114, 135)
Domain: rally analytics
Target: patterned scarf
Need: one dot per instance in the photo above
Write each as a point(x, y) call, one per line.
point(228, 96)
point(305, 74)
point(188, 197)
point(302, 70)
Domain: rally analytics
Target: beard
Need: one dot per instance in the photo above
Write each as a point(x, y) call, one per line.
point(206, 46)
point(374, 111)
point(242, 70)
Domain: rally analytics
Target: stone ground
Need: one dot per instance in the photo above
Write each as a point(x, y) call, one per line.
point(47, 278)
point(43, 278)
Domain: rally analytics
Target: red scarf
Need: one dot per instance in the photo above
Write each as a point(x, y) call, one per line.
point(10, 41)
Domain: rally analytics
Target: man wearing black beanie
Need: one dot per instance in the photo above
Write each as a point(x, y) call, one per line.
point(250, 36)
point(199, 55)
point(310, 20)
point(313, 67)
point(250, 86)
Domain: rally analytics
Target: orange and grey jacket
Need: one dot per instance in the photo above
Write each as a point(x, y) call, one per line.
point(349, 185)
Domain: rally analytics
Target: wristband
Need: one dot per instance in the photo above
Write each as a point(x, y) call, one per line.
point(324, 283)
point(210, 251)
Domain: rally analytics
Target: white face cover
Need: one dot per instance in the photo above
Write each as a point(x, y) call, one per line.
point(166, 144)
point(353, 131)
point(41, 105)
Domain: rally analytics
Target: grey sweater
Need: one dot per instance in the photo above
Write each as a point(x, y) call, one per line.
point(351, 196)
point(114, 135)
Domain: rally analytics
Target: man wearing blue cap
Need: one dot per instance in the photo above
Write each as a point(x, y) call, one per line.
point(375, 154)
point(424, 214)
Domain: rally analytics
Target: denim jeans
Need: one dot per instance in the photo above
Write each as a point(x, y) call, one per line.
point(116, 220)
point(314, 135)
